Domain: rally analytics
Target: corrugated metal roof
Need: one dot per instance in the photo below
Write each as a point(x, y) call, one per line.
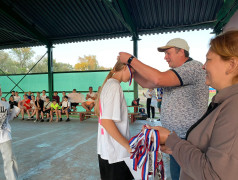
point(37, 22)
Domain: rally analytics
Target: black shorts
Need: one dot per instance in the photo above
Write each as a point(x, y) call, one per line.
point(47, 111)
point(74, 104)
point(115, 171)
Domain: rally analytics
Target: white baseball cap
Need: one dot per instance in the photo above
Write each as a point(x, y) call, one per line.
point(176, 42)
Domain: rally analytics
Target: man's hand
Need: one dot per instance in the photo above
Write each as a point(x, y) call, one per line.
point(163, 132)
point(123, 57)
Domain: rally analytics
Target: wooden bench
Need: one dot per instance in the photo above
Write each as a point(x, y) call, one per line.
point(135, 108)
point(133, 116)
point(85, 115)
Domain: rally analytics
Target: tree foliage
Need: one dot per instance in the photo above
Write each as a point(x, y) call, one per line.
point(19, 61)
point(88, 63)
point(22, 56)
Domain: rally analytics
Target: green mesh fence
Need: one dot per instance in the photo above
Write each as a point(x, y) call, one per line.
point(62, 82)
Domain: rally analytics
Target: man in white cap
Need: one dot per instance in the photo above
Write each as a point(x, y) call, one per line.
point(185, 97)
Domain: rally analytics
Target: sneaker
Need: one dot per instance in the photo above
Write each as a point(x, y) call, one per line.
point(22, 119)
point(36, 120)
point(42, 120)
point(61, 119)
point(148, 119)
point(28, 118)
point(32, 117)
point(47, 120)
point(67, 120)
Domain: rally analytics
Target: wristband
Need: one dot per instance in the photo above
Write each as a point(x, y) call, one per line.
point(130, 59)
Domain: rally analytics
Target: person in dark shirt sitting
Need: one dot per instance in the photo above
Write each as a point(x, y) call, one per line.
point(39, 109)
point(12, 102)
point(56, 97)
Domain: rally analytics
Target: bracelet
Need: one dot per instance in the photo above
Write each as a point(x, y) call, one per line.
point(130, 59)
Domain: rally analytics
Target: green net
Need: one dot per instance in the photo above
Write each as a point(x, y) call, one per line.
point(81, 81)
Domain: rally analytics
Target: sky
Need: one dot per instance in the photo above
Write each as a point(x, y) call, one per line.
point(106, 51)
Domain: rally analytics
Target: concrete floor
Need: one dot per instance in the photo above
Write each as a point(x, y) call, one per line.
point(58, 151)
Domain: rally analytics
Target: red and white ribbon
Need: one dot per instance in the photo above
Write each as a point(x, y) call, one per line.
point(144, 149)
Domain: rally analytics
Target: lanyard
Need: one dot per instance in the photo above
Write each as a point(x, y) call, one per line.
point(145, 153)
point(130, 81)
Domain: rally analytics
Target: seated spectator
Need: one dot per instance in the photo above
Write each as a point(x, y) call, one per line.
point(29, 95)
point(63, 95)
point(43, 96)
point(55, 108)
point(33, 106)
point(12, 102)
point(90, 97)
point(25, 106)
point(17, 98)
point(47, 108)
point(56, 97)
point(3, 99)
point(66, 107)
point(73, 103)
point(38, 94)
point(39, 109)
point(12, 93)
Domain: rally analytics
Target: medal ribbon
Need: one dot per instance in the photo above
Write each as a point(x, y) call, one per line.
point(142, 147)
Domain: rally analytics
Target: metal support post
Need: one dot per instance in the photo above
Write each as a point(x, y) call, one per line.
point(135, 53)
point(50, 71)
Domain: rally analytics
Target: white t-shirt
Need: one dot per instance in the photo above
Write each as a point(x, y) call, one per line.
point(47, 104)
point(66, 104)
point(93, 94)
point(114, 107)
point(32, 104)
point(150, 94)
point(43, 97)
point(5, 116)
point(17, 98)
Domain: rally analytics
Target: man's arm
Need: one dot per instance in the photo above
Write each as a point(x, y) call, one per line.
point(149, 77)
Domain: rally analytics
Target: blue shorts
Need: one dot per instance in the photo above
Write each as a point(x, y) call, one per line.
point(65, 108)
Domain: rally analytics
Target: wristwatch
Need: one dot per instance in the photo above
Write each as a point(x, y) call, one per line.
point(130, 59)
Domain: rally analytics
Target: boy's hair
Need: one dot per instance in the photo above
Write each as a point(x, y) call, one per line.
point(56, 92)
point(47, 97)
point(90, 87)
point(53, 100)
point(66, 97)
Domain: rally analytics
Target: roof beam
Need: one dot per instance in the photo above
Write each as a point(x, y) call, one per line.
point(226, 12)
point(125, 18)
point(16, 18)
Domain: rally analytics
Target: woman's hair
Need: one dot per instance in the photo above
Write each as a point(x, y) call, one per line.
point(226, 46)
point(118, 67)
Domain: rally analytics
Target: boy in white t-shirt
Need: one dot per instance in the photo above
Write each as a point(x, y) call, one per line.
point(90, 97)
point(10, 164)
point(43, 96)
point(66, 107)
point(113, 129)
